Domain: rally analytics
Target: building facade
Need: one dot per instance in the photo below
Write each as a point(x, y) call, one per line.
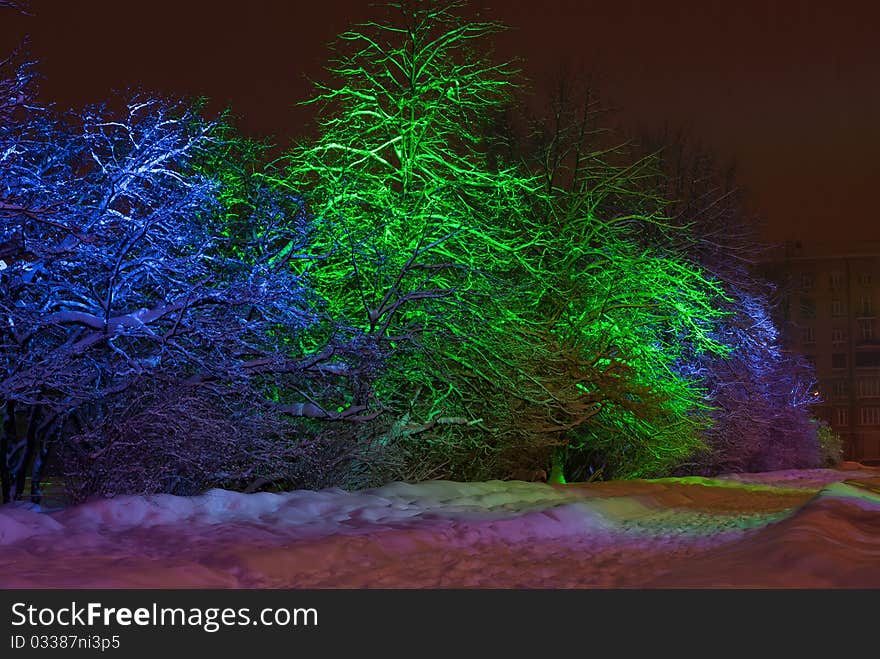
point(829, 301)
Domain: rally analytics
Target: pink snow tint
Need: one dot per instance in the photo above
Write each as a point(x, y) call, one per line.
point(815, 528)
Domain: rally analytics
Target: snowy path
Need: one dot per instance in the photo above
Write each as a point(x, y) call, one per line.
point(784, 529)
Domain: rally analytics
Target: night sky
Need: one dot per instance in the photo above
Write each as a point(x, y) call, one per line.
point(789, 91)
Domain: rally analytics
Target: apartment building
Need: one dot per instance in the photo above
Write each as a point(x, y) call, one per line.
point(830, 299)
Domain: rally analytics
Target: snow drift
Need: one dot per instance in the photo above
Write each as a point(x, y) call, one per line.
point(816, 528)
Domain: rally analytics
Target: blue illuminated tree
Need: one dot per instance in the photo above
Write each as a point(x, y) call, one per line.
point(147, 334)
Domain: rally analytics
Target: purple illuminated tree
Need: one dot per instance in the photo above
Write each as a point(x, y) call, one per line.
point(761, 398)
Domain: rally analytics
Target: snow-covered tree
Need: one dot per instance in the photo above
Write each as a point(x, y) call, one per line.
point(126, 291)
point(514, 313)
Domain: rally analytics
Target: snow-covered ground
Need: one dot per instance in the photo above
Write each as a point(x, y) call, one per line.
point(813, 529)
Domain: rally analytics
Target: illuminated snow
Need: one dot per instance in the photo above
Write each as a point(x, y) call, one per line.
point(816, 528)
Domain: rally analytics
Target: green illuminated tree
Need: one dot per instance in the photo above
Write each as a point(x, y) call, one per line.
point(518, 314)
point(620, 293)
point(419, 233)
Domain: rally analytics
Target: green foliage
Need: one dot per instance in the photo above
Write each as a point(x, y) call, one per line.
point(632, 312)
point(830, 445)
point(402, 199)
point(414, 226)
point(530, 313)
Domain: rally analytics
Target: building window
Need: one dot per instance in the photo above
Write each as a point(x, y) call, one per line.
point(838, 360)
point(841, 416)
point(869, 416)
point(837, 308)
point(865, 278)
point(808, 335)
point(808, 280)
point(836, 279)
point(869, 387)
point(840, 389)
point(866, 327)
point(868, 359)
point(808, 307)
point(838, 336)
point(865, 306)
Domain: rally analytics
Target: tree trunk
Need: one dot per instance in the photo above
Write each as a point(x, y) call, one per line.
point(30, 443)
point(557, 465)
point(4, 471)
point(46, 433)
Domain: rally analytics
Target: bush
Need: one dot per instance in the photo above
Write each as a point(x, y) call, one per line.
point(178, 441)
point(830, 445)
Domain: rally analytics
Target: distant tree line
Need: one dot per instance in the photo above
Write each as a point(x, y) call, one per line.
point(422, 291)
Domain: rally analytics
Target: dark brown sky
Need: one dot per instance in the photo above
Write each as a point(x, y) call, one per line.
point(789, 90)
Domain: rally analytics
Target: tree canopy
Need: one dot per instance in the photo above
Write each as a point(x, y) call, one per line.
point(413, 294)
